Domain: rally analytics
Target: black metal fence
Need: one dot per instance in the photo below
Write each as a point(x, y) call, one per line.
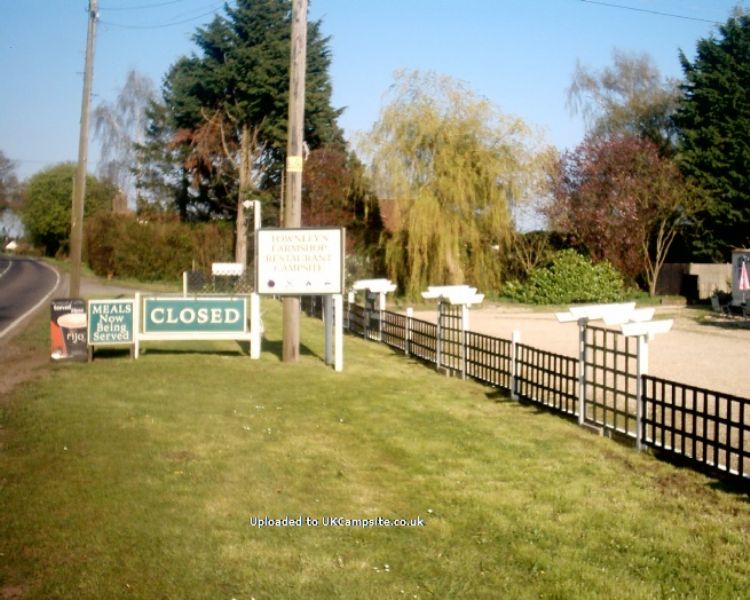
point(611, 380)
point(196, 282)
point(528, 373)
point(706, 427)
point(547, 378)
point(489, 360)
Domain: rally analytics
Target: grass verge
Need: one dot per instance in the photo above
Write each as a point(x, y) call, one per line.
point(146, 479)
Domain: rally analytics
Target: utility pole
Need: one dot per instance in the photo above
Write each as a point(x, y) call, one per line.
point(294, 163)
point(79, 183)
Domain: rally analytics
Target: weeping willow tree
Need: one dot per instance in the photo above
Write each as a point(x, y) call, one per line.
point(451, 166)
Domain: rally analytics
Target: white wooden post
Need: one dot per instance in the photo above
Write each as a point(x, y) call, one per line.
point(464, 329)
point(407, 333)
point(438, 341)
point(515, 339)
point(645, 332)
point(350, 299)
point(137, 325)
point(338, 315)
point(582, 370)
point(381, 308)
point(366, 323)
point(328, 328)
point(641, 371)
point(255, 326)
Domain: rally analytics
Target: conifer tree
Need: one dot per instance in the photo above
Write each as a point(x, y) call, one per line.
point(714, 146)
point(226, 106)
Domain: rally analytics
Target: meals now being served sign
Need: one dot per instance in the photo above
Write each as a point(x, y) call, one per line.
point(182, 315)
point(111, 322)
point(300, 261)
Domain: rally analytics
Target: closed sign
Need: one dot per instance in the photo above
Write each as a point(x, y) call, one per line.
point(166, 315)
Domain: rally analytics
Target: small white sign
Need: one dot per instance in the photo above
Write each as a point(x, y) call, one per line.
point(228, 269)
point(300, 261)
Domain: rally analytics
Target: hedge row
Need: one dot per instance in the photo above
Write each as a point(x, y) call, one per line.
point(124, 246)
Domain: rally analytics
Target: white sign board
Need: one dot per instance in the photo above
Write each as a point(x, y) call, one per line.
point(228, 269)
point(294, 262)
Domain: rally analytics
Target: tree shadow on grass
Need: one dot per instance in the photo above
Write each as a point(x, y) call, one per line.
point(189, 351)
point(242, 349)
point(276, 347)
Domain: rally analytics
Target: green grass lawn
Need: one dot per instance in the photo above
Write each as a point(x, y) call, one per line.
point(142, 479)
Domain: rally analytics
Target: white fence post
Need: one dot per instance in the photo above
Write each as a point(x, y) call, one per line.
point(407, 333)
point(464, 329)
point(641, 371)
point(514, 341)
point(438, 341)
point(366, 318)
point(328, 328)
point(137, 326)
point(350, 299)
point(381, 310)
point(256, 326)
point(338, 315)
point(582, 323)
point(645, 332)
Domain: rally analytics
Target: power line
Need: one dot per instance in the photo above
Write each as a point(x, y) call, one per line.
point(142, 6)
point(211, 11)
point(651, 12)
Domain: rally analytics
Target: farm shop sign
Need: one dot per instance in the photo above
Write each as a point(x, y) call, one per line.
point(194, 315)
point(111, 322)
point(300, 261)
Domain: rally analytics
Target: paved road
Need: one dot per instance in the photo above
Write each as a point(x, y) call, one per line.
point(25, 284)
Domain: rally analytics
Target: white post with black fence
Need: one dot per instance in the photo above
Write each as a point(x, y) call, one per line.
point(451, 297)
point(632, 322)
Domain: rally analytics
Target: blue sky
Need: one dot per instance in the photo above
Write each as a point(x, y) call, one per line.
point(520, 54)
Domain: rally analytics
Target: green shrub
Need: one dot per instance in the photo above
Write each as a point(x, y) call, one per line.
point(570, 278)
point(47, 205)
point(123, 246)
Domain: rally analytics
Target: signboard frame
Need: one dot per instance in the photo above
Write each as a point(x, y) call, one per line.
point(324, 277)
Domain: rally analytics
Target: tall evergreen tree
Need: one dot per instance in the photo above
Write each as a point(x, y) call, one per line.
point(714, 146)
point(227, 104)
point(162, 185)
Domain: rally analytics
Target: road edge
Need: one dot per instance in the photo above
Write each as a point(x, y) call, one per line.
point(29, 313)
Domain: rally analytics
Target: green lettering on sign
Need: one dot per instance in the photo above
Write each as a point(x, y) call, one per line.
point(172, 315)
point(111, 322)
